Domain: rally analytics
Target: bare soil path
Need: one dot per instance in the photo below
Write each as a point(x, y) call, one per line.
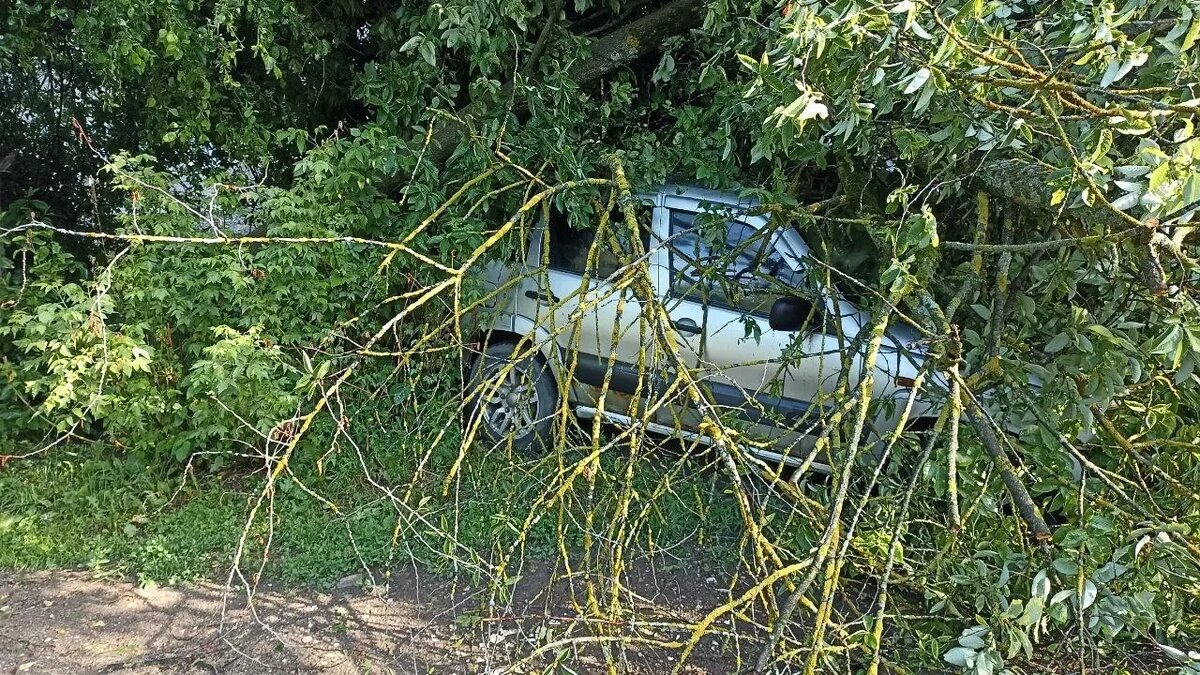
point(67, 622)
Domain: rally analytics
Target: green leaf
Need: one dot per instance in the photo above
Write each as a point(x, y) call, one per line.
point(1060, 613)
point(1126, 201)
point(428, 53)
point(1192, 34)
point(972, 638)
point(1193, 337)
point(1191, 190)
point(1110, 73)
point(1033, 612)
point(665, 69)
point(1061, 596)
point(1057, 343)
point(918, 80)
point(960, 656)
point(984, 664)
point(1089, 594)
point(1041, 585)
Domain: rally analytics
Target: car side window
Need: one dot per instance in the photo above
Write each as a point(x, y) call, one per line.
point(570, 247)
point(729, 263)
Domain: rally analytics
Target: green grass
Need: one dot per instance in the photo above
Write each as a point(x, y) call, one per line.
point(77, 508)
point(113, 516)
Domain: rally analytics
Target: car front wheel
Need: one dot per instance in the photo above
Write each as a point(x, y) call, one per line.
point(512, 399)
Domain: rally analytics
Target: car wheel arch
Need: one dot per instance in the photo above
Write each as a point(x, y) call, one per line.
point(536, 337)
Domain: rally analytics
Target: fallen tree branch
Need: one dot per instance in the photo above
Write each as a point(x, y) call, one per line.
point(1026, 508)
point(539, 48)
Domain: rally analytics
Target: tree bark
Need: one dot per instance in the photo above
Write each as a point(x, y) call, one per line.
point(1028, 185)
point(1026, 507)
point(638, 38)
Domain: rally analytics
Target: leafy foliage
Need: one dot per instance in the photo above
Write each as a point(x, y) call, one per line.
point(1023, 175)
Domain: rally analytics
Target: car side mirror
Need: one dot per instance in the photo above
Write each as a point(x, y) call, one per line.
point(789, 313)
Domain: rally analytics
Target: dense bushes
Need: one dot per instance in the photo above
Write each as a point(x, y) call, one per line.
point(196, 350)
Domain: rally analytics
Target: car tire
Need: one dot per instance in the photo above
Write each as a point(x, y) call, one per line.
point(512, 397)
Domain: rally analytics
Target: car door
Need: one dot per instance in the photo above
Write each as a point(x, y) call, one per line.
point(725, 269)
point(589, 309)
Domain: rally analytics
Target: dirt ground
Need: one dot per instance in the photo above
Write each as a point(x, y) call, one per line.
point(67, 622)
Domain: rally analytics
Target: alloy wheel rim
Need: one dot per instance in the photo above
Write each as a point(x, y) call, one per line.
point(510, 406)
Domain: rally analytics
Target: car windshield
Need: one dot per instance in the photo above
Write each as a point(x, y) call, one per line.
point(755, 259)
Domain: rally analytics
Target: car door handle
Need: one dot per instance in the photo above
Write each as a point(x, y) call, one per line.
point(550, 299)
point(686, 326)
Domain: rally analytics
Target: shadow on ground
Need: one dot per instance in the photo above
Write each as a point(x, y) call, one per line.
point(67, 622)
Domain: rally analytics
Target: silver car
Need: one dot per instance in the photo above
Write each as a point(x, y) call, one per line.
point(753, 326)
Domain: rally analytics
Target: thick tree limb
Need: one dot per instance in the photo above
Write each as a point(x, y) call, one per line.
point(1028, 185)
point(1026, 507)
point(639, 38)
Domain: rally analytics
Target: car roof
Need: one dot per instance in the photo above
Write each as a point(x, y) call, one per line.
point(706, 195)
point(731, 198)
